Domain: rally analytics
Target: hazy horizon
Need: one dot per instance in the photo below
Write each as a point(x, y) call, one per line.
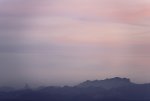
point(59, 42)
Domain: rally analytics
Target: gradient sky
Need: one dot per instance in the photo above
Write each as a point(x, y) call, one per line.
point(58, 42)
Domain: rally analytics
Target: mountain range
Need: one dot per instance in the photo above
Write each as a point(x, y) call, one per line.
point(112, 89)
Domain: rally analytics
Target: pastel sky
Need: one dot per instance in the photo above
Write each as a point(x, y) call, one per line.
point(58, 42)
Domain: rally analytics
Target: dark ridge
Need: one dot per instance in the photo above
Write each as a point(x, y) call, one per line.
point(112, 89)
point(107, 83)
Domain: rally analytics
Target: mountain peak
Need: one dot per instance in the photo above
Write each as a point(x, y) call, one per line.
point(107, 83)
point(117, 79)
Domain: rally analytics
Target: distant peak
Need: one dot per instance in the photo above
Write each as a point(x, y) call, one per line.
point(118, 79)
point(107, 83)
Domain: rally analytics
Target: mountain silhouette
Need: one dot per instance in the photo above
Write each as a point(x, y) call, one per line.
point(113, 89)
point(107, 83)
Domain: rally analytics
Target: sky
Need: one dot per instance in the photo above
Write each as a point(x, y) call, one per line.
point(65, 42)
